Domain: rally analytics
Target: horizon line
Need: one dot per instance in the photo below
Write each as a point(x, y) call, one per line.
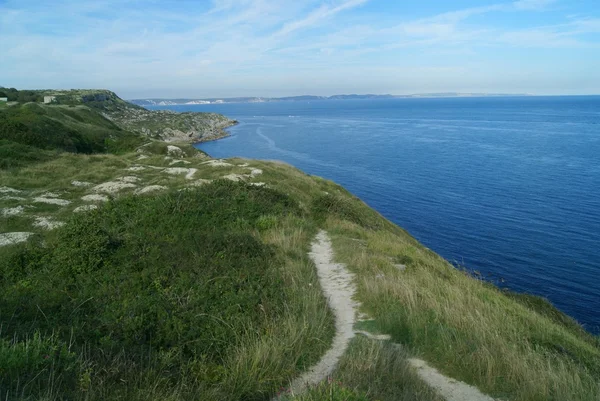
point(428, 95)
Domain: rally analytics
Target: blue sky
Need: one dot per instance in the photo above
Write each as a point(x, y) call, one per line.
point(219, 48)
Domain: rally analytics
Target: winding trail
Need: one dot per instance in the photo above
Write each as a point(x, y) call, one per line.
point(338, 287)
point(450, 389)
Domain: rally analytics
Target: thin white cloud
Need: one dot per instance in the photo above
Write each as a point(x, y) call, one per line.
point(555, 36)
point(316, 16)
point(237, 45)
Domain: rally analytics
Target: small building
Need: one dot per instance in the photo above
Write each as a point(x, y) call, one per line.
point(49, 99)
point(3, 99)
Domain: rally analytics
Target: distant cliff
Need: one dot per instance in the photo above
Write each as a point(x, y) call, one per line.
point(184, 101)
point(163, 125)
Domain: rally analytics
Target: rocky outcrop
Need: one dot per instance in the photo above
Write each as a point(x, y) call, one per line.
point(171, 126)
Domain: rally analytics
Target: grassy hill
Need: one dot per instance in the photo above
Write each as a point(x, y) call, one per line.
point(158, 273)
point(87, 121)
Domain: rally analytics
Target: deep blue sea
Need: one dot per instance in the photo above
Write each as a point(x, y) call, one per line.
point(507, 186)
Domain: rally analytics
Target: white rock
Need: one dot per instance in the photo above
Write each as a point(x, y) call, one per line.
point(201, 181)
point(234, 177)
point(14, 238)
point(9, 197)
point(52, 201)
point(80, 183)
point(84, 208)
point(142, 157)
point(47, 223)
point(179, 161)
point(255, 171)
point(174, 151)
point(189, 172)
point(8, 190)
point(130, 179)
point(218, 163)
point(94, 198)
point(258, 184)
point(50, 195)
point(136, 168)
point(14, 211)
point(150, 188)
point(112, 187)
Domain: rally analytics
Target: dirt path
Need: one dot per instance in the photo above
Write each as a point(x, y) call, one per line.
point(338, 287)
point(450, 389)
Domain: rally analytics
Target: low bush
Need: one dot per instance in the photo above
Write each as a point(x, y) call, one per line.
point(172, 282)
point(14, 155)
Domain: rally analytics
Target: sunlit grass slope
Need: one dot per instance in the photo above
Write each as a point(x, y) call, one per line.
point(203, 289)
point(511, 346)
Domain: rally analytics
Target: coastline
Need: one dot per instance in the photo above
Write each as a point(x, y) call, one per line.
point(524, 297)
point(223, 133)
point(411, 296)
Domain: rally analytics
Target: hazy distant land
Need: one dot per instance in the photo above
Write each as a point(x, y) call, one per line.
point(173, 102)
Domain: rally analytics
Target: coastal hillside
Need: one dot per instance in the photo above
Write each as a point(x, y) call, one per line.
point(84, 111)
point(151, 271)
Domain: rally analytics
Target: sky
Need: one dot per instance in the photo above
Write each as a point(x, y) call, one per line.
point(228, 48)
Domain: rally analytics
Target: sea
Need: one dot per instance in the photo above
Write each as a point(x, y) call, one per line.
point(505, 186)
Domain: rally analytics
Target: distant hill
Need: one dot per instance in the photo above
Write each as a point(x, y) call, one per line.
point(92, 121)
point(185, 101)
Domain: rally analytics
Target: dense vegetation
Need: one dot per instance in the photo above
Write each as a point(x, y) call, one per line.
point(171, 284)
point(87, 121)
point(71, 129)
point(22, 96)
point(31, 131)
point(101, 111)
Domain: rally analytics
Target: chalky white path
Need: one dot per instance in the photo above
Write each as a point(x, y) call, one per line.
point(338, 288)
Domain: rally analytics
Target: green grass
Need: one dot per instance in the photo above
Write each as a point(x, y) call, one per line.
point(511, 346)
point(189, 291)
point(206, 291)
point(370, 370)
point(90, 121)
point(13, 155)
point(72, 129)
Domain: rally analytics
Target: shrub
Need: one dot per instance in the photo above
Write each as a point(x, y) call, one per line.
point(346, 208)
point(35, 364)
point(175, 273)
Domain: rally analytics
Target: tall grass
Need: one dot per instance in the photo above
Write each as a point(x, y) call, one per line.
point(209, 294)
point(205, 294)
point(371, 370)
point(467, 328)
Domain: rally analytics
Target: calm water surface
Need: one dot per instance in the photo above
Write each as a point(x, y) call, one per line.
point(506, 186)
